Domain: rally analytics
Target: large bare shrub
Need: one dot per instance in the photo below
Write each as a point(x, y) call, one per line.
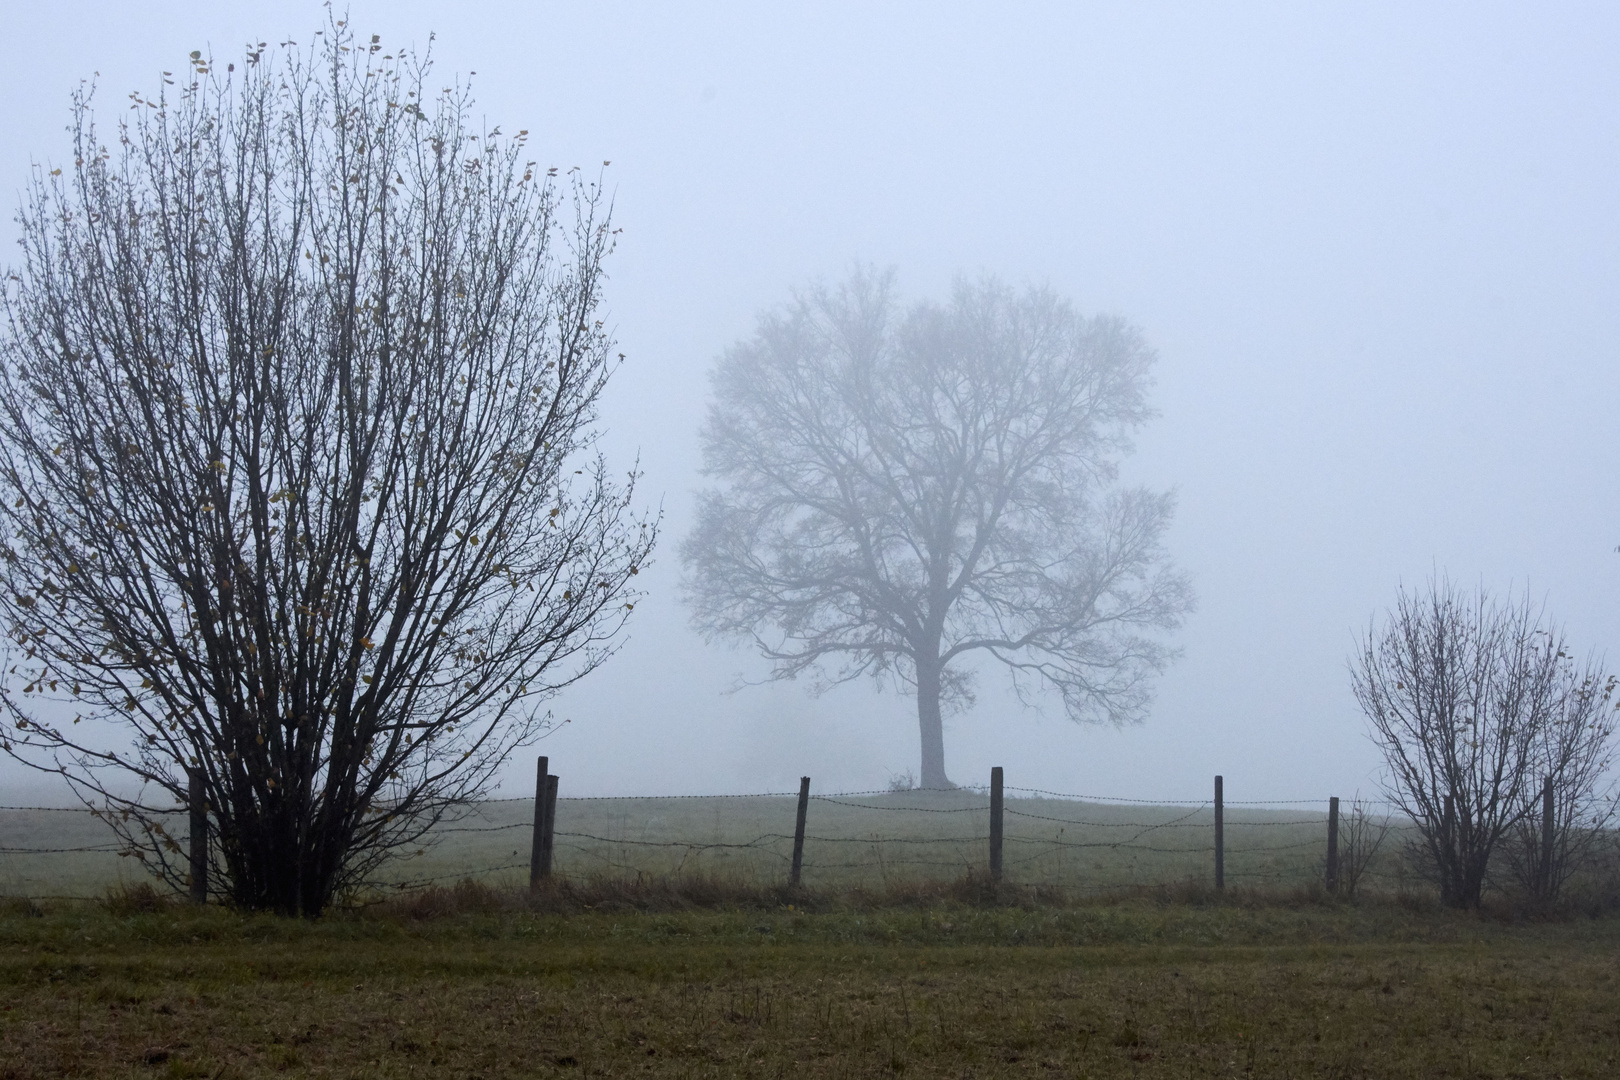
point(1473, 701)
point(297, 392)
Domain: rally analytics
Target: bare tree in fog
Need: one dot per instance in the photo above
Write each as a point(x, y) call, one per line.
point(904, 490)
point(1361, 834)
point(1570, 757)
point(1474, 702)
point(296, 446)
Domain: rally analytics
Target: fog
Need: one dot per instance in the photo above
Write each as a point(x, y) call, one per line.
point(1377, 249)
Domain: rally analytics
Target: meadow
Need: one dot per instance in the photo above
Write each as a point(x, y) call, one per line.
point(669, 945)
point(870, 840)
point(478, 982)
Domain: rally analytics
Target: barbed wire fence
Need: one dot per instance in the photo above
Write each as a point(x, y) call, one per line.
point(1063, 841)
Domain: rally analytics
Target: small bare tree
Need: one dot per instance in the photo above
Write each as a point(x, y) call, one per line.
point(906, 490)
point(1361, 834)
point(1566, 815)
point(1462, 694)
point(297, 392)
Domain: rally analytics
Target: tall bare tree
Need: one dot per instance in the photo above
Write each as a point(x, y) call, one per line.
point(297, 393)
point(1470, 699)
point(904, 490)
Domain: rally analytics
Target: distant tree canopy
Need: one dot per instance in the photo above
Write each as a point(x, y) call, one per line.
point(297, 392)
point(904, 489)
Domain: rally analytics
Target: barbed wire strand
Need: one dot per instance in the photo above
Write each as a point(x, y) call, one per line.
point(1052, 846)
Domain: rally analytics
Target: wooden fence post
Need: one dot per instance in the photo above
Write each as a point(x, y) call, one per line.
point(1333, 844)
point(197, 798)
point(995, 823)
point(1220, 836)
point(1448, 849)
point(1547, 807)
point(537, 843)
point(549, 844)
point(798, 831)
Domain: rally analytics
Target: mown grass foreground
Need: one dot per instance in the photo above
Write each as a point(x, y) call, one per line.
point(1129, 988)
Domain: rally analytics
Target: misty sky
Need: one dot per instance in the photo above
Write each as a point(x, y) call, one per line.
point(1376, 246)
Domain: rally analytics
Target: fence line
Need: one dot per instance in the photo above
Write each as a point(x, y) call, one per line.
point(889, 850)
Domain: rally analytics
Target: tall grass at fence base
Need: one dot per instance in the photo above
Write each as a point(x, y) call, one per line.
point(140, 898)
point(654, 894)
point(698, 892)
point(20, 907)
point(695, 892)
point(710, 891)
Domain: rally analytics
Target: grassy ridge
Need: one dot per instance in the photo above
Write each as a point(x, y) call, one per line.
point(870, 842)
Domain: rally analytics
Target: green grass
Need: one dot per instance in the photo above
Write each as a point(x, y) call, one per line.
point(144, 988)
point(868, 842)
point(663, 950)
point(55, 873)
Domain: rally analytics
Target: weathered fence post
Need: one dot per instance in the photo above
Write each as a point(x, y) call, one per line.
point(1333, 844)
point(548, 845)
point(197, 798)
point(1448, 850)
point(537, 844)
point(798, 831)
point(1547, 807)
point(1220, 836)
point(995, 823)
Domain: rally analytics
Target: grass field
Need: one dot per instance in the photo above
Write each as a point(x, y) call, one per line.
point(1130, 989)
point(865, 841)
point(669, 947)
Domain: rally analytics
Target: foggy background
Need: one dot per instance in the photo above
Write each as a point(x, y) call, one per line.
point(1375, 246)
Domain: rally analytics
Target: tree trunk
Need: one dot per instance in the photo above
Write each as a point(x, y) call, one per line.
point(930, 726)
